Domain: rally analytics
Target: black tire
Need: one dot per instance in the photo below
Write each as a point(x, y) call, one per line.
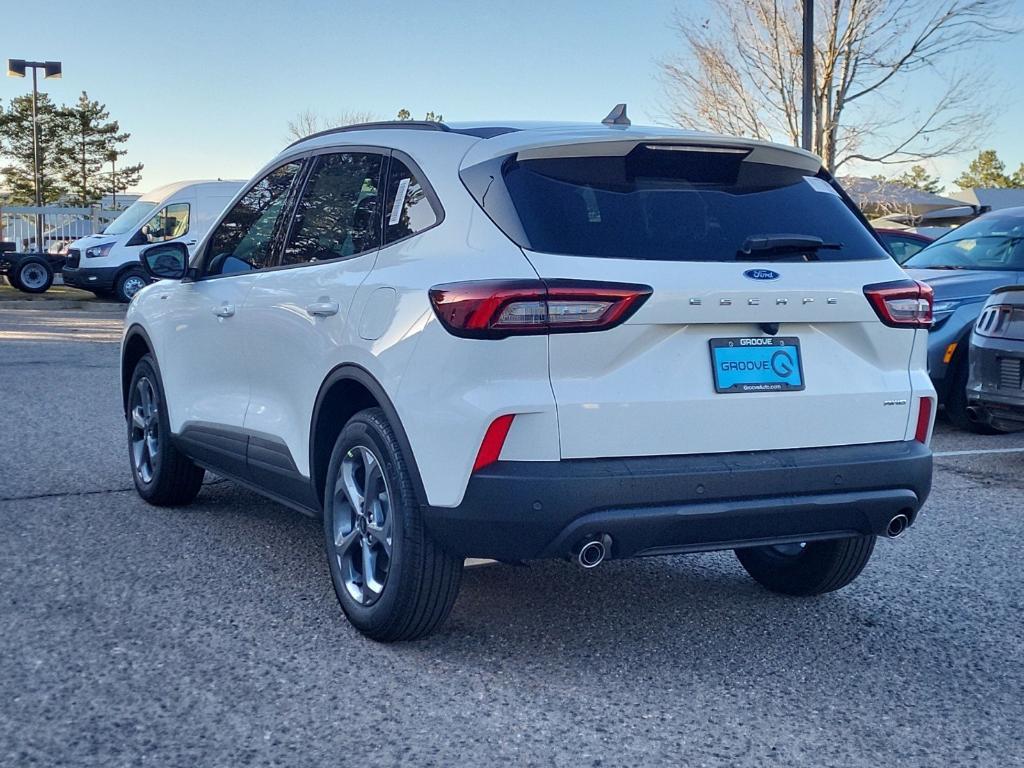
point(168, 478)
point(416, 580)
point(956, 401)
point(130, 282)
point(12, 279)
point(34, 276)
point(809, 569)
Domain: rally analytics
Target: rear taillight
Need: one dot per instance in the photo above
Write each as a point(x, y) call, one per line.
point(493, 442)
point(496, 309)
point(997, 320)
point(902, 304)
point(924, 420)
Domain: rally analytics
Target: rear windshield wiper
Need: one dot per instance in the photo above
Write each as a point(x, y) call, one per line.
point(766, 246)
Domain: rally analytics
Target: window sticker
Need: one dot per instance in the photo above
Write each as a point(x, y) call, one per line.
point(396, 209)
point(820, 185)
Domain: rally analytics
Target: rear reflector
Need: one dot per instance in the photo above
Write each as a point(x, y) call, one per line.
point(496, 309)
point(493, 442)
point(902, 303)
point(924, 420)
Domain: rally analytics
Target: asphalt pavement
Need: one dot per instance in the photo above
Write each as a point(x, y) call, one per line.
point(210, 635)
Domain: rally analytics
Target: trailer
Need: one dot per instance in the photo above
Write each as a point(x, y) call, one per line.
point(29, 272)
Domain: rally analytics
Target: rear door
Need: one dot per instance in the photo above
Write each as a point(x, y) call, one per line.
point(721, 237)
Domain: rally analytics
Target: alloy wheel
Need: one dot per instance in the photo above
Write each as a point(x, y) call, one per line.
point(145, 435)
point(362, 531)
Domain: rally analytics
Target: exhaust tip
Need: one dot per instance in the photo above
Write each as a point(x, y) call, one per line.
point(975, 415)
point(897, 526)
point(592, 553)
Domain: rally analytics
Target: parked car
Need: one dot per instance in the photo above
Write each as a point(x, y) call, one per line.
point(963, 268)
point(539, 341)
point(902, 244)
point(995, 388)
point(108, 263)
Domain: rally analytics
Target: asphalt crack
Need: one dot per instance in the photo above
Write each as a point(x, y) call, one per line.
point(97, 492)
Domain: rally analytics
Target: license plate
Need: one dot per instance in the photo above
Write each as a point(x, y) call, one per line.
point(757, 364)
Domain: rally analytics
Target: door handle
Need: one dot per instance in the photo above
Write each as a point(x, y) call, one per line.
point(224, 310)
point(322, 308)
point(191, 242)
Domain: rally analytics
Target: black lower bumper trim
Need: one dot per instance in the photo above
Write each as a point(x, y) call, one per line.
point(525, 510)
point(90, 278)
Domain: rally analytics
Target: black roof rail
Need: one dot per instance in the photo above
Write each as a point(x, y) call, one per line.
point(413, 125)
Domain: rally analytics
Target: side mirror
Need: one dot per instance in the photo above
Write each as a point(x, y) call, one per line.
point(165, 261)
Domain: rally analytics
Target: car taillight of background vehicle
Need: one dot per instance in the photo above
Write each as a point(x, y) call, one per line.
point(497, 309)
point(1001, 321)
point(902, 303)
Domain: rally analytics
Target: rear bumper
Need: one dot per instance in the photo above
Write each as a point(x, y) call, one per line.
point(665, 504)
point(90, 278)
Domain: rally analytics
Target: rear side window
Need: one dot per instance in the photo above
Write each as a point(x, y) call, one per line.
point(337, 215)
point(676, 203)
point(408, 209)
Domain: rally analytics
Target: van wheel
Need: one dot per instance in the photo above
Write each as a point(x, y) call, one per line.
point(392, 580)
point(808, 569)
point(956, 402)
point(130, 282)
point(34, 276)
point(164, 476)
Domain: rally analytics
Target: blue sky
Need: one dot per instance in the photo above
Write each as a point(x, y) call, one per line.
point(207, 88)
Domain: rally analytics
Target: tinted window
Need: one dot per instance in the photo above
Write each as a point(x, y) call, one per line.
point(338, 213)
point(677, 204)
point(408, 209)
point(243, 241)
point(995, 241)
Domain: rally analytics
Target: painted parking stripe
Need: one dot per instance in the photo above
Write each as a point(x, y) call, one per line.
point(976, 452)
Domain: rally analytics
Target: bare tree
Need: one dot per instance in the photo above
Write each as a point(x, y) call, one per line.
point(309, 121)
point(740, 73)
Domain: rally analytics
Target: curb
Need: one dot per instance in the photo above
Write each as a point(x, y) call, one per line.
point(43, 304)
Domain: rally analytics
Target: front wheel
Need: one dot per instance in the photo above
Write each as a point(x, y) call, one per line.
point(129, 283)
point(808, 569)
point(392, 580)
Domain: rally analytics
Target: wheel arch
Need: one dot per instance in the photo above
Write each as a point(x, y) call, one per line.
point(345, 391)
point(136, 344)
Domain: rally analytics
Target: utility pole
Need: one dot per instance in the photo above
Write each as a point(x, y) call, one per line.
point(51, 69)
point(807, 108)
point(113, 178)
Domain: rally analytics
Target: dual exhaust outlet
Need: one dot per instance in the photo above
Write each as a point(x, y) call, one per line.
point(591, 552)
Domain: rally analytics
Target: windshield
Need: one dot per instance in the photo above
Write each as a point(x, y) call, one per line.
point(676, 203)
point(132, 216)
point(995, 241)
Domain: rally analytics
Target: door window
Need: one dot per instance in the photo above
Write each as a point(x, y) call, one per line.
point(170, 222)
point(244, 239)
point(408, 209)
point(338, 215)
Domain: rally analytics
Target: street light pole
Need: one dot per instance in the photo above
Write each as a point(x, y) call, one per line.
point(807, 110)
point(51, 70)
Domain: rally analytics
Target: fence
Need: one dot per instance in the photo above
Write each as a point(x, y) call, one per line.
point(60, 225)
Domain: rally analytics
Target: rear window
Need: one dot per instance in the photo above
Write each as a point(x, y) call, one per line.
point(675, 203)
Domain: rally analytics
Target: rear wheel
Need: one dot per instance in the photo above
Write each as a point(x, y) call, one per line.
point(163, 475)
point(808, 569)
point(392, 580)
point(956, 402)
point(130, 282)
point(34, 276)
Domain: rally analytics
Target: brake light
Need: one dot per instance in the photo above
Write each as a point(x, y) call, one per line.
point(902, 303)
point(493, 442)
point(924, 420)
point(496, 309)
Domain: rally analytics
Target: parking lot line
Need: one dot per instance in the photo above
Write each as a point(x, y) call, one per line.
point(976, 452)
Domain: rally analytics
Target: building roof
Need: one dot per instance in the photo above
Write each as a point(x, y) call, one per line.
point(995, 199)
point(886, 197)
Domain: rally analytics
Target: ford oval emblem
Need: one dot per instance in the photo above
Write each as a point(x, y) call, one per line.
point(762, 274)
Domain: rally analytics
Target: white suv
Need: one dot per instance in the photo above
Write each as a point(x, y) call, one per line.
point(538, 341)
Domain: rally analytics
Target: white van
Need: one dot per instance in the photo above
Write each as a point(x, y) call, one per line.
point(108, 263)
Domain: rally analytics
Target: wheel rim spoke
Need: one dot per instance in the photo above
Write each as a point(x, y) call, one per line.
point(145, 429)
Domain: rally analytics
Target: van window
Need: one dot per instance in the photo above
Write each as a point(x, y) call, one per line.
point(337, 215)
point(673, 203)
point(169, 223)
point(130, 218)
point(244, 239)
point(407, 209)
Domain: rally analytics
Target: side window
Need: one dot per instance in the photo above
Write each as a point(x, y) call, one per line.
point(337, 215)
point(243, 241)
point(170, 222)
point(407, 209)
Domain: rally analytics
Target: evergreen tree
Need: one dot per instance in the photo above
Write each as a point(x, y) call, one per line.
point(918, 178)
point(94, 144)
point(985, 171)
point(16, 146)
